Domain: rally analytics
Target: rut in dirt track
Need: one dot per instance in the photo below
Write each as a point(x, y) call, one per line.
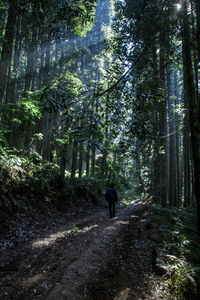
point(96, 259)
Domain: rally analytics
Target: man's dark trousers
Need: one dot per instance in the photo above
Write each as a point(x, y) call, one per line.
point(112, 208)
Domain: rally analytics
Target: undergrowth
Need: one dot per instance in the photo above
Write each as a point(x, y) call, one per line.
point(182, 245)
point(28, 181)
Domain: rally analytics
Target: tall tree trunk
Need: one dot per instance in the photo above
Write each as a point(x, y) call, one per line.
point(104, 165)
point(81, 149)
point(186, 158)
point(47, 60)
point(195, 51)
point(177, 142)
point(30, 59)
point(80, 161)
point(156, 157)
point(34, 56)
point(42, 51)
point(163, 125)
point(88, 159)
point(62, 57)
point(193, 105)
point(6, 54)
point(7, 95)
point(64, 152)
point(197, 4)
point(28, 65)
point(93, 157)
point(172, 148)
point(74, 158)
point(13, 93)
point(3, 17)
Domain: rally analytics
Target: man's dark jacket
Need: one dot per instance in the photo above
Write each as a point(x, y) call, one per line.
point(111, 195)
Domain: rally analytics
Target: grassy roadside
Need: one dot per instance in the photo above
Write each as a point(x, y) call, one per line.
point(179, 250)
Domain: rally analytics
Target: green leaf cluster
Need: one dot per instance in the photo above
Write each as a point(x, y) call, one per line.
point(182, 245)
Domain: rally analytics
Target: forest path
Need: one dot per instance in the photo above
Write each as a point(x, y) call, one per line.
point(91, 258)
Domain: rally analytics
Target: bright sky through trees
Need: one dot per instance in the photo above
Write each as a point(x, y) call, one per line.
point(178, 6)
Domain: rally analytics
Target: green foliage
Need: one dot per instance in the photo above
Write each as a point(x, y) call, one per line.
point(86, 18)
point(75, 229)
point(182, 279)
point(3, 140)
point(17, 118)
point(179, 237)
point(18, 168)
point(126, 195)
point(37, 136)
point(25, 175)
point(25, 110)
point(33, 182)
point(30, 106)
point(161, 150)
point(56, 14)
point(61, 94)
point(13, 166)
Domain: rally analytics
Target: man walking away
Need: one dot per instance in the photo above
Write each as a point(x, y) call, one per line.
point(111, 198)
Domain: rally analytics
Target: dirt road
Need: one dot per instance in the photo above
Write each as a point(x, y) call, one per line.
point(90, 258)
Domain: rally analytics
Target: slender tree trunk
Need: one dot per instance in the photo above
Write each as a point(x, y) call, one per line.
point(195, 51)
point(104, 165)
point(64, 152)
point(197, 4)
point(47, 60)
point(96, 108)
point(13, 93)
point(34, 56)
point(163, 126)
point(193, 105)
point(80, 162)
point(3, 18)
point(177, 142)
point(172, 149)
point(6, 54)
point(7, 95)
point(62, 58)
point(28, 64)
point(74, 158)
point(88, 159)
point(30, 60)
point(42, 51)
point(81, 150)
point(156, 156)
point(186, 166)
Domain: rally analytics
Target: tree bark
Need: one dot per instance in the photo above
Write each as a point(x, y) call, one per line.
point(197, 4)
point(42, 51)
point(30, 59)
point(13, 93)
point(74, 158)
point(177, 142)
point(88, 159)
point(47, 60)
point(163, 124)
point(6, 54)
point(193, 105)
point(186, 161)
point(172, 147)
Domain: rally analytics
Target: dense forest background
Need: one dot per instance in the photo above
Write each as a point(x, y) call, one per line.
point(94, 92)
point(86, 95)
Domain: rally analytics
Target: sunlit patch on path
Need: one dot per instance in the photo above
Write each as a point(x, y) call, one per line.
point(52, 238)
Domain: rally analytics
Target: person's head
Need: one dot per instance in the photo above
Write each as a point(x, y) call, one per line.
point(112, 185)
